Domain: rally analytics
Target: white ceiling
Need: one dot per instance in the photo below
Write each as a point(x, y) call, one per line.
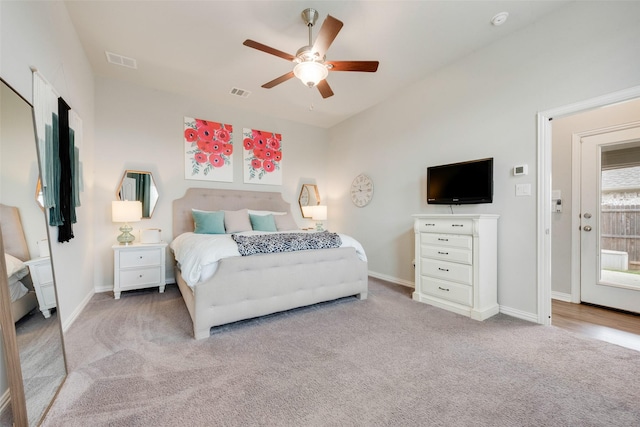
point(194, 48)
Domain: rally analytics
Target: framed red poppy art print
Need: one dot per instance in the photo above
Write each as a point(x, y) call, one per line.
point(208, 149)
point(262, 157)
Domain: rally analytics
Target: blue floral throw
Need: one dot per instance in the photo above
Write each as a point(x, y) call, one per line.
point(285, 242)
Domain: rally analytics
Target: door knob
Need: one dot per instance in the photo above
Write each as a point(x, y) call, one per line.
point(587, 228)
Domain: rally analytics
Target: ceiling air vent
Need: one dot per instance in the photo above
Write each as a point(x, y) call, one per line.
point(240, 92)
point(114, 58)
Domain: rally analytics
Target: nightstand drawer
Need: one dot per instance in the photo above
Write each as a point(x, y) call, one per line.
point(140, 276)
point(449, 240)
point(140, 258)
point(461, 273)
point(49, 295)
point(454, 292)
point(44, 273)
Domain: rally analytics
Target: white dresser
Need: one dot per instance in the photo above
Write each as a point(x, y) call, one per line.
point(456, 263)
point(42, 278)
point(138, 266)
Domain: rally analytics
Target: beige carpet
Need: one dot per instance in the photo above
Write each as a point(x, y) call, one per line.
point(385, 361)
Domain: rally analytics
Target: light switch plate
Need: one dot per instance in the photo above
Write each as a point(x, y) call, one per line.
point(523, 189)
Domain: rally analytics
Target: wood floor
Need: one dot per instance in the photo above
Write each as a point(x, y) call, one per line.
point(597, 322)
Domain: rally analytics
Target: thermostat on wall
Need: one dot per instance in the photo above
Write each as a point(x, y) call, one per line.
point(520, 170)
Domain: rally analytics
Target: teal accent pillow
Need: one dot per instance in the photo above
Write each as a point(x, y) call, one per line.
point(206, 222)
point(263, 222)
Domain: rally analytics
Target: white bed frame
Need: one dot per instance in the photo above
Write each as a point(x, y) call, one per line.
point(253, 286)
point(15, 244)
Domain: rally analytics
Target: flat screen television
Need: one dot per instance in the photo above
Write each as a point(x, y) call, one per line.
point(460, 183)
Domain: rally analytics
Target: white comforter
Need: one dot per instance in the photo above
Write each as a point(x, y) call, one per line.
point(198, 254)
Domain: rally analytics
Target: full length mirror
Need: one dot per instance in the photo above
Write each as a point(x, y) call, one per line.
point(139, 185)
point(309, 196)
point(32, 286)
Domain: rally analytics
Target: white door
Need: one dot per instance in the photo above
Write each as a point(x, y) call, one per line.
point(609, 219)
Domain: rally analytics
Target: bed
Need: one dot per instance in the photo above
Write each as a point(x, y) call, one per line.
point(245, 287)
point(15, 244)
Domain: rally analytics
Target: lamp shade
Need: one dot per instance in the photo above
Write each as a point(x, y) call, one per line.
point(126, 211)
point(319, 213)
point(310, 72)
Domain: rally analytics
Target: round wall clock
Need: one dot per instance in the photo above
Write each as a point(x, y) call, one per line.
point(361, 190)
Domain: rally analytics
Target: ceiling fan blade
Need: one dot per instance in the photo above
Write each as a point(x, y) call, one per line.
point(366, 66)
point(277, 81)
point(325, 89)
point(270, 50)
point(328, 32)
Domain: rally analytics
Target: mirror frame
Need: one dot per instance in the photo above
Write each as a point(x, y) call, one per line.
point(11, 353)
point(307, 193)
point(12, 361)
point(152, 206)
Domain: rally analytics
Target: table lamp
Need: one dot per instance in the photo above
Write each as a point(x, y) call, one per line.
point(319, 214)
point(126, 211)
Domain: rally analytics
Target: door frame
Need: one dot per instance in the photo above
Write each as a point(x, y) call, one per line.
point(576, 184)
point(543, 196)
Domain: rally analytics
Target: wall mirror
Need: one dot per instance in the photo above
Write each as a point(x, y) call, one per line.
point(309, 196)
point(139, 185)
point(33, 365)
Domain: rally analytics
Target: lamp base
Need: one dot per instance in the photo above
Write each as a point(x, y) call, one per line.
point(319, 226)
point(126, 237)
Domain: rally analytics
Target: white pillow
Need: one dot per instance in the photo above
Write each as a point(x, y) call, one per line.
point(252, 212)
point(16, 289)
point(15, 266)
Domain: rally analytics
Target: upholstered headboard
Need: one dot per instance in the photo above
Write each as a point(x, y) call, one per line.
point(212, 199)
point(15, 242)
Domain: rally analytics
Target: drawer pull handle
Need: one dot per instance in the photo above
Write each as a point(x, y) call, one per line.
point(443, 289)
point(140, 257)
point(429, 225)
point(443, 269)
point(443, 253)
point(457, 225)
point(440, 239)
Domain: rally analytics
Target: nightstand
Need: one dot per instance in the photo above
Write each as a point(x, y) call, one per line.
point(138, 266)
point(42, 278)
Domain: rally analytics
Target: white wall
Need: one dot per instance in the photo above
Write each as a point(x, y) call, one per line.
point(563, 129)
point(40, 34)
point(140, 128)
point(484, 105)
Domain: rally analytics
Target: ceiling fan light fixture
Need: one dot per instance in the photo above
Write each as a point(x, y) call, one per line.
point(310, 73)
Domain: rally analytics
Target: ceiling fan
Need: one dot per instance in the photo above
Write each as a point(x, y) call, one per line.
point(311, 66)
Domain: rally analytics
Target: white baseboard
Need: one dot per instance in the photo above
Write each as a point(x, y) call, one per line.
point(561, 296)
point(530, 317)
point(391, 279)
point(67, 324)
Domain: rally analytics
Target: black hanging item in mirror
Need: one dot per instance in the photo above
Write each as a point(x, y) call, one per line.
point(139, 186)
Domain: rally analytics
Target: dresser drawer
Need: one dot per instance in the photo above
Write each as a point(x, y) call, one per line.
point(448, 240)
point(464, 256)
point(452, 226)
point(461, 273)
point(455, 292)
point(140, 258)
point(140, 277)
